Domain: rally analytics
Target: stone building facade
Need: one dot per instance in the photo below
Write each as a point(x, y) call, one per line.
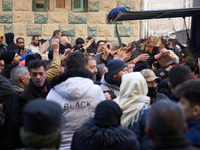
point(17, 16)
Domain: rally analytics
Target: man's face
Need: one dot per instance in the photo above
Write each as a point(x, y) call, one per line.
point(92, 67)
point(38, 76)
point(187, 107)
point(87, 41)
point(152, 84)
point(26, 78)
point(101, 46)
point(20, 43)
point(2, 64)
point(35, 41)
point(16, 59)
point(123, 71)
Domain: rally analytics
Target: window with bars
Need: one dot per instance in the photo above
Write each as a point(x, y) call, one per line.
point(74, 5)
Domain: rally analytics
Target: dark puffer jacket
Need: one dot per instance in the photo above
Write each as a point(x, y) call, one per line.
point(92, 137)
point(9, 40)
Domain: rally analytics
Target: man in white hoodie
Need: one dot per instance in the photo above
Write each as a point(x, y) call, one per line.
point(76, 93)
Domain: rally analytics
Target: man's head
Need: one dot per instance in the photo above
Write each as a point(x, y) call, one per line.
point(192, 64)
point(64, 40)
point(100, 46)
point(165, 122)
point(20, 43)
point(116, 69)
point(88, 39)
point(20, 75)
point(37, 71)
point(35, 40)
point(75, 60)
point(2, 65)
point(101, 70)
point(57, 34)
point(140, 65)
point(1, 39)
point(79, 42)
point(189, 94)
point(91, 66)
point(151, 80)
point(42, 120)
point(177, 75)
point(10, 57)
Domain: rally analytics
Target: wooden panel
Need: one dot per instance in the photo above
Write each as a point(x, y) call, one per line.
point(60, 3)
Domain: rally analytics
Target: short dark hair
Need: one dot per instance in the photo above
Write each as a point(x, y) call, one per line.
point(42, 41)
point(192, 64)
point(165, 120)
point(190, 90)
point(89, 57)
point(19, 38)
point(79, 41)
point(33, 38)
point(75, 60)
point(56, 32)
point(179, 74)
point(100, 42)
point(37, 63)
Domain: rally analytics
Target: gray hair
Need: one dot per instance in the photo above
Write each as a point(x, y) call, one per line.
point(17, 72)
point(165, 120)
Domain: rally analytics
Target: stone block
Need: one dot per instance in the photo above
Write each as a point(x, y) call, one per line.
point(93, 5)
point(58, 17)
point(92, 30)
point(7, 5)
point(40, 17)
point(6, 17)
point(28, 40)
point(112, 41)
point(81, 30)
point(100, 38)
point(48, 29)
point(96, 18)
point(1, 29)
point(132, 22)
point(23, 17)
point(126, 40)
point(135, 31)
point(8, 28)
point(33, 29)
point(67, 29)
point(136, 5)
point(22, 5)
point(0, 5)
point(124, 31)
point(105, 30)
point(77, 18)
point(19, 29)
point(124, 3)
point(72, 41)
point(107, 6)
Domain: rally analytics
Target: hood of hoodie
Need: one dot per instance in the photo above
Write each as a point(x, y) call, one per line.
point(1, 36)
point(74, 87)
point(9, 37)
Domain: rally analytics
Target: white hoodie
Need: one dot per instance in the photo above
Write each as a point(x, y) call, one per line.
point(78, 98)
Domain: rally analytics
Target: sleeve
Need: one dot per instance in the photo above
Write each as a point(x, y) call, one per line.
point(6, 89)
point(54, 68)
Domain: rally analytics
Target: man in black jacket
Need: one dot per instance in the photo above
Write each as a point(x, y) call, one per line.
point(9, 40)
point(11, 60)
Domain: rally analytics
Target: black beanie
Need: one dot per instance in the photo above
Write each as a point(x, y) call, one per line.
point(42, 117)
point(140, 65)
point(8, 56)
point(107, 113)
point(29, 58)
point(114, 66)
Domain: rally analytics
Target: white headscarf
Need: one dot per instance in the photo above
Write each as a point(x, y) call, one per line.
point(132, 98)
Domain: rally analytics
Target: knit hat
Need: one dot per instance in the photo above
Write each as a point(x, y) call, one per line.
point(162, 73)
point(140, 65)
point(149, 75)
point(114, 66)
point(107, 113)
point(42, 117)
point(8, 56)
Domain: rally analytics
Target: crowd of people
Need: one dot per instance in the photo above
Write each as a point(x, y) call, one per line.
point(142, 95)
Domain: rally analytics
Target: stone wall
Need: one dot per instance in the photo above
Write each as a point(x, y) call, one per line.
point(17, 16)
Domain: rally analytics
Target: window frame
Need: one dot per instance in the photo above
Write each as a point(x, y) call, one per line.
point(78, 9)
point(39, 9)
point(52, 5)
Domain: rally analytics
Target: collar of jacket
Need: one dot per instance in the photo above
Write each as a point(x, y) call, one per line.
point(174, 143)
point(70, 73)
point(16, 86)
point(193, 123)
point(110, 80)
